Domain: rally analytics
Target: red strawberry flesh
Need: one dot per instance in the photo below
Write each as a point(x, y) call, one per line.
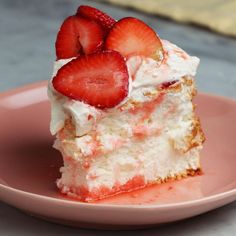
point(131, 36)
point(100, 79)
point(67, 43)
point(94, 14)
point(78, 35)
point(90, 35)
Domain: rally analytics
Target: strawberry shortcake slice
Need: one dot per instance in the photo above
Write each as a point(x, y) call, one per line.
point(121, 107)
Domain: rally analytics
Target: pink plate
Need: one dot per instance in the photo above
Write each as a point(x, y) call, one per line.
point(29, 167)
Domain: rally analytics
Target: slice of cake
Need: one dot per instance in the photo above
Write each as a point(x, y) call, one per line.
point(122, 108)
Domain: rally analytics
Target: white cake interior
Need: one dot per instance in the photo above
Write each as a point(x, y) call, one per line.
point(164, 145)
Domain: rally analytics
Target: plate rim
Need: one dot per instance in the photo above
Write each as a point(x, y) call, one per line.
point(22, 88)
point(202, 200)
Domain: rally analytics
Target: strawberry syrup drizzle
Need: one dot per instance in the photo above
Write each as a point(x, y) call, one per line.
point(96, 150)
point(102, 192)
point(142, 194)
point(148, 107)
point(139, 131)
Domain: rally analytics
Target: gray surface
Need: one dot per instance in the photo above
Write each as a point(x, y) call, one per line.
point(27, 35)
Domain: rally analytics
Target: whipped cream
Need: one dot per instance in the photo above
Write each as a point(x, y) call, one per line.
point(145, 74)
point(149, 72)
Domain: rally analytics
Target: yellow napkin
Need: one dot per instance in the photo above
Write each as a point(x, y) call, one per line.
point(218, 15)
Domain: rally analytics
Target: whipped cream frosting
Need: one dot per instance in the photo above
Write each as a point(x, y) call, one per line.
point(145, 74)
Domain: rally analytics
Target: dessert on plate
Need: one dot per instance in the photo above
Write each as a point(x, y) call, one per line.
point(121, 107)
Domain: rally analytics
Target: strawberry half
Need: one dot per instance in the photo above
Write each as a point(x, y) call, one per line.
point(78, 35)
point(94, 14)
point(131, 36)
point(99, 79)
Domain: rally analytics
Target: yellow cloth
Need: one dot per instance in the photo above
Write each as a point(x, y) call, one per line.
point(218, 15)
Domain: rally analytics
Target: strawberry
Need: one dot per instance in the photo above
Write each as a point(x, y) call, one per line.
point(131, 36)
point(78, 35)
point(100, 79)
point(94, 14)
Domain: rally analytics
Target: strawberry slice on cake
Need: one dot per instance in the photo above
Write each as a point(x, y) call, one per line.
point(131, 36)
point(77, 36)
point(94, 14)
point(121, 107)
point(100, 80)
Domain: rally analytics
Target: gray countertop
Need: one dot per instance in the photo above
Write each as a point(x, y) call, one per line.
point(27, 34)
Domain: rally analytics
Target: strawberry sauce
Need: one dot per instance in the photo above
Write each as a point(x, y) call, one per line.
point(148, 107)
point(173, 191)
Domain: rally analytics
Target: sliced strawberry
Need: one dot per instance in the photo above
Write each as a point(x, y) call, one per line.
point(67, 43)
point(94, 14)
point(91, 35)
point(99, 79)
point(131, 36)
point(78, 35)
